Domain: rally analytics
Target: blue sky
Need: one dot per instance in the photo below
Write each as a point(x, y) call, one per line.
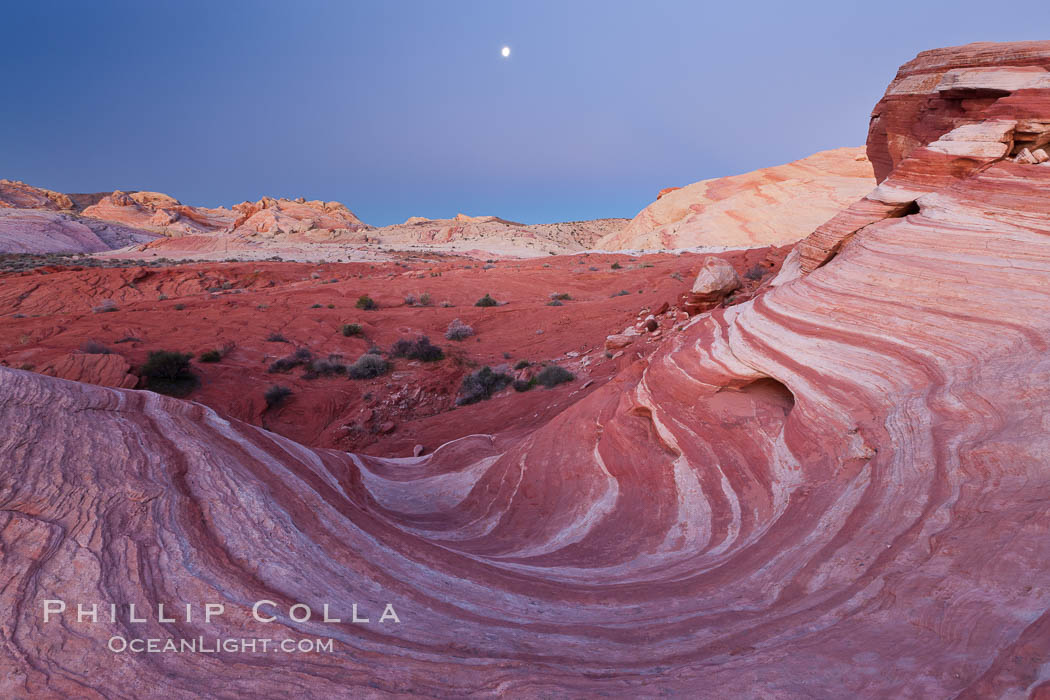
point(402, 109)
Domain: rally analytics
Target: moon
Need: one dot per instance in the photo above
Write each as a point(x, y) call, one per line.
point(505, 51)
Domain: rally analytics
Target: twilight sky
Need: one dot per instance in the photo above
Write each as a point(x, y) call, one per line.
point(406, 108)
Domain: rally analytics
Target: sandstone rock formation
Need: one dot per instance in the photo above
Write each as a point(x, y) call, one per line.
point(771, 206)
point(716, 279)
point(837, 487)
point(947, 116)
point(19, 195)
point(104, 370)
point(42, 230)
point(496, 236)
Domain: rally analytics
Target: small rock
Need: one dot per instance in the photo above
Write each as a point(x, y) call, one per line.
point(616, 341)
point(417, 450)
point(1025, 156)
point(387, 427)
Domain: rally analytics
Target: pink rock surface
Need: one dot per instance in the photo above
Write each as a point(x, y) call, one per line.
point(836, 488)
point(771, 206)
point(45, 231)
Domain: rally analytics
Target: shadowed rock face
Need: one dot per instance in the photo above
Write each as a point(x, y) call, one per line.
point(838, 486)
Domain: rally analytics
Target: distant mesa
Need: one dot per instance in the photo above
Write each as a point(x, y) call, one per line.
point(775, 205)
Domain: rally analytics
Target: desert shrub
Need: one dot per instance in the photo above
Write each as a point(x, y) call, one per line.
point(168, 372)
point(446, 304)
point(424, 299)
point(93, 347)
point(523, 384)
point(621, 293)
point(316, 306)
point(366, 303)
point(457, 330)
point(616, 266)
point(276, 338)
point(410, 300)
point(560, 296)
point(481, 384)
point(180, 307)
point(211, 356)
point(555, 302)
point(368, 366)
point(522, 364)
point(756, 272)
point(553, 375)
point(107, 306)
point(351, 329)
point(276, 395)
point(486, 300)
point(300, 357)
point(418, 349)
point(325, 367)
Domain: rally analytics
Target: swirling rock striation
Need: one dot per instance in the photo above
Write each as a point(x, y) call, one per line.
point(837, 487)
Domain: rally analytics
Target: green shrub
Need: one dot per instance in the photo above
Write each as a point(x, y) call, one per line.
point(522, 364)
point(368, 366)
point(211, 356)
point(168, 372)
point(419, 349)
point(324, 367)
point(616, 266)
point(457, 330)
point(553, 375)
point(351, 329)
point(486, 300)
point(523, 384)
point(301, 356)
point(366, 303)
point(276, 395)
point(276, 338)
point(481, 384)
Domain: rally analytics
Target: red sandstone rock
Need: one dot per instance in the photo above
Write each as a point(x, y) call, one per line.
point(104, 370)
point(940, 122)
